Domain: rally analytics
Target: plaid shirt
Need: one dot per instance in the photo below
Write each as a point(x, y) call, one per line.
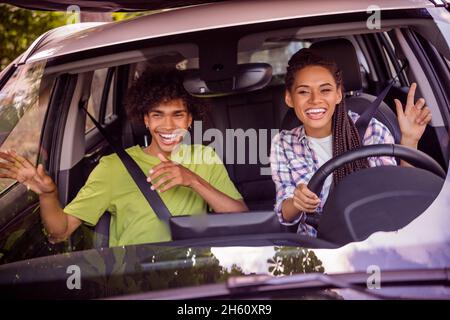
point(293, 161)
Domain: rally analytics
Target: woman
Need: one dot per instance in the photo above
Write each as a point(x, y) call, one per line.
point(314, 90)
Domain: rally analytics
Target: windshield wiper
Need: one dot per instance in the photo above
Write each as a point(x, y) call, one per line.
point(253, 285)
point(356, 281)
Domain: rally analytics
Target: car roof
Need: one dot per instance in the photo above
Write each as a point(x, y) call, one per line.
point(105, 6)
point(205, 17)
point(47, 43)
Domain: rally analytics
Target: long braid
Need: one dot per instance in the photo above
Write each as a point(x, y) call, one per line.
point(345, 138)
point(345, 134)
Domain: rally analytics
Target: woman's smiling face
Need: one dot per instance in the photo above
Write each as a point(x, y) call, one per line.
point(314, 96)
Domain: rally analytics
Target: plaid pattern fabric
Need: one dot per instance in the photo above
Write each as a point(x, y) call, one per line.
point(293, 161)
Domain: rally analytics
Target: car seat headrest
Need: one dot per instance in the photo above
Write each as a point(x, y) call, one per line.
point(344, 54)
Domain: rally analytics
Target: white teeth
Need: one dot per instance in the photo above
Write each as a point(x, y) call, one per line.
point(168, 136)
point(316, 110)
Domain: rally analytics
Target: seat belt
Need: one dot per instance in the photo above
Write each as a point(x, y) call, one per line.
point(363, 121)
point(152, 196)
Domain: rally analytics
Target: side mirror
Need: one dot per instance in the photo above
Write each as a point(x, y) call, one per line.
point(249, 77)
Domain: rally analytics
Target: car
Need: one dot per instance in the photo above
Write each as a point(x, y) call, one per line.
point(389, 221)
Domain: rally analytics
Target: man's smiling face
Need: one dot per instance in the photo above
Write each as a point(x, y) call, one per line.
point(167, 122)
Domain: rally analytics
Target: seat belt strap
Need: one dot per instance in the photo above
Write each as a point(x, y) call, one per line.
point(138, 176)
point(363, 121)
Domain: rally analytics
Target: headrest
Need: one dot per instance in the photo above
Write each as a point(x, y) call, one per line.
point(138, 128)
point(344, 54)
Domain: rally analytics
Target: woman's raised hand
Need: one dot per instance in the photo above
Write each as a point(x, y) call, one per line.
point(413, 119)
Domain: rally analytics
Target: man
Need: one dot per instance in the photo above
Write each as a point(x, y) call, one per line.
point(159, 99)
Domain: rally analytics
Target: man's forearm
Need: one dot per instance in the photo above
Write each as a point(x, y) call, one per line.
point(218, 201)
point(52, 215)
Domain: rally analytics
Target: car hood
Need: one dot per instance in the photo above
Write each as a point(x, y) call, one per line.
point(118, 271)
point(106, 6)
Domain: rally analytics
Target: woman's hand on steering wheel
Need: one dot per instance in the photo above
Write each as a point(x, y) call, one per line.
point(305, 200)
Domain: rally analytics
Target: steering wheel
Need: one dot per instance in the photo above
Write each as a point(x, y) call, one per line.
point(415, 157)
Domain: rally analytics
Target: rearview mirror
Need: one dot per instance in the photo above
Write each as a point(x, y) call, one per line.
point(249, 77)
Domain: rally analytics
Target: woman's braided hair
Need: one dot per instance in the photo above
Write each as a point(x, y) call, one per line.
point(345, 134)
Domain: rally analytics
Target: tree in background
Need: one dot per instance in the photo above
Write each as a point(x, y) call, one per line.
point(20, 27)
point(289, 261)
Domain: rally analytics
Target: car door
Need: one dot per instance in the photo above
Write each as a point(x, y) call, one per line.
point(24, 99)
point(430, 54)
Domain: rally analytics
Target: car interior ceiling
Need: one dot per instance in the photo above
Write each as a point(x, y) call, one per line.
point(264, 109)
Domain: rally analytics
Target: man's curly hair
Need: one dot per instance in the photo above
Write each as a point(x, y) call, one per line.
point(157, 86)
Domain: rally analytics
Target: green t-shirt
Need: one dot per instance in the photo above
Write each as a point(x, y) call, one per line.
point(111, 188)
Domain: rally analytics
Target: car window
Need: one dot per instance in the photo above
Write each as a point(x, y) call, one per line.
point(21, 115)
point(95, 99)
point(109, 112)
point(394, 63)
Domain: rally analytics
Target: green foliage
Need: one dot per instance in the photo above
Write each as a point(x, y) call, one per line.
point(118, 16)
point(20, 27)
point(289, 261)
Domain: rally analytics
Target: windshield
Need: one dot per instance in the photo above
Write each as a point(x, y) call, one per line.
point(254, 144)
